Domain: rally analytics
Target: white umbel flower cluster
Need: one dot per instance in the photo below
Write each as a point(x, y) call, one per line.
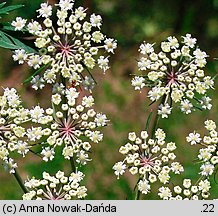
point(208, 155)
point(58, 187)
point(150, 159)
point(188, 191)
point(175, 74)
point(76, 45)
point(69, 124)
point(13, 137)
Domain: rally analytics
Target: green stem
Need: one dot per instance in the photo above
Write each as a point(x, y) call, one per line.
point(72, 163)
point(137, 194)
point(157, 119)
point(155, 125)
point(20, 182)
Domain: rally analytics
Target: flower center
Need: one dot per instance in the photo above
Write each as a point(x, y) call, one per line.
point(65, 50)
point(67, 129)
point(146, 162)
point(172, 78)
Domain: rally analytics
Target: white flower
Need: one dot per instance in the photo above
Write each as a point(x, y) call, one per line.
point(110, 45)
point(189, 41)
point(11, 97)
point(103, 63)
point(164, 110)
point(34, 133)
point(45, 10)
point(37, 82)
point(81, 193)
point(56, 99)
point(101, 120)
point(48, 154)
point(36, 113)
point(177, 189)
point(164, 177)
point(207, 169)
point(10, 165)
point(88, 101)
point(165, 46)
point(204, 185)
point(205, 103)
point(146, 48)
point(154, 94)
point(96, 136)
point(200, 54)
point(164, 193)
point(187, 183)
point(204, 154)
point(88, 83)
point(82, 157)
point(119, 168)
point(34, 61)
point(177, 168)
point(138, 83)
point(71, 93)
point(66, 4)
point(77, 176)
point(173, 42)
point(193, 138)
point(186, 106)
point(20, 56)
point(96, 20)
point(143, 186)
point(210, 125)
point(34, 27)
point(19, 23)
point(132, 136)
point(22, 147)
point(58, 88)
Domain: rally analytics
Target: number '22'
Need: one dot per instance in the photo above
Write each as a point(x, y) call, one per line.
point(208, 208)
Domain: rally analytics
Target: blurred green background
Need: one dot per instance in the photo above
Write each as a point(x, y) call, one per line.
point(130, 22)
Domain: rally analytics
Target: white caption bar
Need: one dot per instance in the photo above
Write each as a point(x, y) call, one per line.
point(105, 207)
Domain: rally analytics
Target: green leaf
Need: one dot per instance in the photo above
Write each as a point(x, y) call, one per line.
point(34, 74)
point(9, 42)
point(2, 4)
point(4, 37)
point(21, 45)
point(6, 45)
point(5, 42)
point(6, 10)
point(7, 26)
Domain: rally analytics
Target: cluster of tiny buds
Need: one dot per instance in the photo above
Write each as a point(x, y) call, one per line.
point(151, 159)
point(58, 187)
point(175, 74)
point(188, 192)
point(208, 155)
point(70, 49)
